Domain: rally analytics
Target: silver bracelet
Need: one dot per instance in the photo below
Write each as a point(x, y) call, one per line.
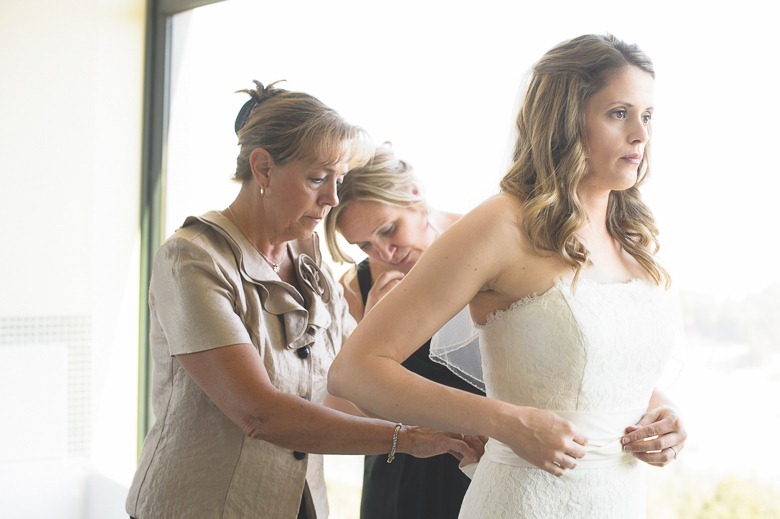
point(391, 456)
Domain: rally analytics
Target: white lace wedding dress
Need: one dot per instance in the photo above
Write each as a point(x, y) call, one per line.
point(592, 354)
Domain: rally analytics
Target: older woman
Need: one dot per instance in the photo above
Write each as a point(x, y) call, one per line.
point(245, 321)
point(383, 212)
point(575, 320)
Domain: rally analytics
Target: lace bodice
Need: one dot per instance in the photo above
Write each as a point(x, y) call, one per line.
point(593, 350)
point(594, 347)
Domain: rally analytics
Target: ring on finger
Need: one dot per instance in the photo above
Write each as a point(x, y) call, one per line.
point(462, 437)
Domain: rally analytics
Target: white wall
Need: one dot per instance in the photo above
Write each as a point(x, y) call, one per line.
point(70, 162)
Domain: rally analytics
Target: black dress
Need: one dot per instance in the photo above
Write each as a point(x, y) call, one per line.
point(411, 487)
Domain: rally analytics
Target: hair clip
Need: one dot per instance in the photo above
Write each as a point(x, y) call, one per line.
point(243, 114)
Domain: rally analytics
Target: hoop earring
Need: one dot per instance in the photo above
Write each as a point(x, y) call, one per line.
point(262, 191)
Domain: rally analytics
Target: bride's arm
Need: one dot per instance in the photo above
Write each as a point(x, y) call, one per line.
point(464, 260)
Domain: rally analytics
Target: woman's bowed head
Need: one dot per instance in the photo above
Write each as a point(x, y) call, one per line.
point(294, 152)
point(560, 275)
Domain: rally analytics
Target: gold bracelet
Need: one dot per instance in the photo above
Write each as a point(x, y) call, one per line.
point(391, 456)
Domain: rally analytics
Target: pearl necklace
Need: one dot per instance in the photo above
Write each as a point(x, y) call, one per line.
point(275, 266)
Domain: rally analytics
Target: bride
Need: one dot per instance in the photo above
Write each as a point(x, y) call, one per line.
point(575, 318)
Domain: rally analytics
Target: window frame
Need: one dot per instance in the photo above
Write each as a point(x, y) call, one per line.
point(157, 67)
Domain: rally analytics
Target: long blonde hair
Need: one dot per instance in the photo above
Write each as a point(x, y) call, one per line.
point(550, 158)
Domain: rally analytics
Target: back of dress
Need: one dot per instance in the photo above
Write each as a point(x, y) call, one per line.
point(592, 353)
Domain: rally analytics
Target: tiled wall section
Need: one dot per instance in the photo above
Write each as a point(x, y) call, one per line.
point(74, 332)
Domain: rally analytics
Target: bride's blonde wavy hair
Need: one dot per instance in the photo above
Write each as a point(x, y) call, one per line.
point(550, 156)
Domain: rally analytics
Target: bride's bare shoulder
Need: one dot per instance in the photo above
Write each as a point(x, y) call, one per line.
point(489, 235)
point(498, 211)
point(502, 202)
point(483, 235)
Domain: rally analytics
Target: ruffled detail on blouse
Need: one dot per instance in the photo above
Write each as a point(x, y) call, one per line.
point(305, 314)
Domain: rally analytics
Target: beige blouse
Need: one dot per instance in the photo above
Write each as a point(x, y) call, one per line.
point(209, 289)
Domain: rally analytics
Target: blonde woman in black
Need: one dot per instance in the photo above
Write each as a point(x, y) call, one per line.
point(383, 212)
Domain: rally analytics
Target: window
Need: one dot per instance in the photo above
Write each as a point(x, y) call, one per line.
point(441, 82)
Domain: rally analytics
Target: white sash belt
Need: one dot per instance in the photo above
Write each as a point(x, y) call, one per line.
point(603, 431)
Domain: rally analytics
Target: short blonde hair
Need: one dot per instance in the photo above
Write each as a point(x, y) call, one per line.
point(384, 179)
point(292, 126)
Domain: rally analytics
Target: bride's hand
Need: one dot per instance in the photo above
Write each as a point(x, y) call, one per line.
point(548, 441)
point(657, 438)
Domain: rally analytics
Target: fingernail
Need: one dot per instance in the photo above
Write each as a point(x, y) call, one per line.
point(624, 440)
